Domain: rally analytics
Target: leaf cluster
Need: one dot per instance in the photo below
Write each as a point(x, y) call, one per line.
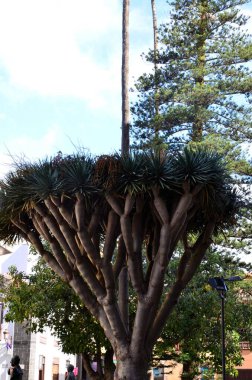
point(137, 174)
point(201, 82)
point(195, 324)
point(42, 300)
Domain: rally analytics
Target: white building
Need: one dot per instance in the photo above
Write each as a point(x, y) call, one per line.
point(41, 357)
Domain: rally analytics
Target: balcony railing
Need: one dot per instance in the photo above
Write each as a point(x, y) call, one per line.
point(244, 346)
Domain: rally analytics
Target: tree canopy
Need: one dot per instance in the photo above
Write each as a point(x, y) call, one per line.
point(98, 214)
point(201, 82)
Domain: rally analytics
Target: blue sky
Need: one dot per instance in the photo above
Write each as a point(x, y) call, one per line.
point(60, 65)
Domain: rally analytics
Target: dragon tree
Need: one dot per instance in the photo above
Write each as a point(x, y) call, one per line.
point(89, 216)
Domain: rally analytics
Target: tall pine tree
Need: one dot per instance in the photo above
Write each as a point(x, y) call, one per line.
point(200, 93)
point(202, 75)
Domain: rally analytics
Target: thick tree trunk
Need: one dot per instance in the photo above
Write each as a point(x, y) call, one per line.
point(128, 369)
point(123, 296)
point(155, 47)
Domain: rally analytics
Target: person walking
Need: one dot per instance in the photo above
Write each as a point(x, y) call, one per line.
point(15, 370)
point(70, 374)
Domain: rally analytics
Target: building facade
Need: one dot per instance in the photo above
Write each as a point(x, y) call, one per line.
point(40, 355)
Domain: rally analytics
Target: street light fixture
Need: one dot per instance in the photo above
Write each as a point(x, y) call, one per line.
point(219, 283)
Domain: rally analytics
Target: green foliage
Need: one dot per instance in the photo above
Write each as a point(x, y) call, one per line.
point(136, 174)
point(202, 83)
point(235, 159)
point(202, 86)
point(195, 324)
point(43, 299)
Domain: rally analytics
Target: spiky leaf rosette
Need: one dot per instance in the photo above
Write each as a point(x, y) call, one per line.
point(136, 175)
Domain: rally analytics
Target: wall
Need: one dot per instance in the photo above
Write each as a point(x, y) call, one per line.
point(32, 348)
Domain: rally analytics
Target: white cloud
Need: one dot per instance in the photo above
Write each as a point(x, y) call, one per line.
point(63, 48)
point(49, 47)
point(58, 48)
point(28, 147)
point(73, 49)
point(34, 147)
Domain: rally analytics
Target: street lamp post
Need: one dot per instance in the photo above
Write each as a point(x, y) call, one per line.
point(219, 283)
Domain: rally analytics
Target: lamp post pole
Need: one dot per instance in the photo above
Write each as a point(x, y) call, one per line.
point(219, 284)
point(223, 343)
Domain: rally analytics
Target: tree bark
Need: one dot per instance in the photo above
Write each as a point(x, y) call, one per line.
point(155, 47)
point(125, 78)
point(123, 277)
point(129, 369)
point(123, 295)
